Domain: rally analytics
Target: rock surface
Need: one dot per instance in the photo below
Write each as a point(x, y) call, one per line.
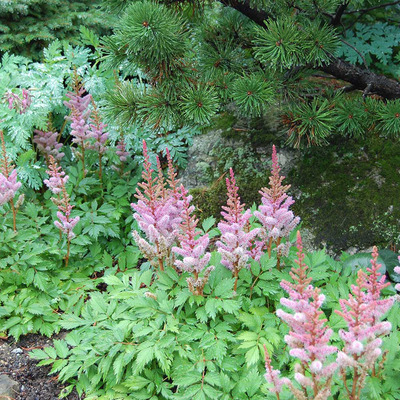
point(8, 387)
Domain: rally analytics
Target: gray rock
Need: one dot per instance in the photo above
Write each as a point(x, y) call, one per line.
point(8, 387)
point(17, 351)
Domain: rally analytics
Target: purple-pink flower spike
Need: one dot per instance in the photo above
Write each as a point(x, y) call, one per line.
point(8, 181)
point(192, 247)
point(79, 106)
point(47, 144)
point(156, 216)
point(272, 376)
point(274, 214)
point(97, 131)
point(121, 150)
point(56, 184)
point(236, 242)
point(362, 313)
point(309, 336)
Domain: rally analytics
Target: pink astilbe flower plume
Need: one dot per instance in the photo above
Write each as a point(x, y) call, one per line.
point(236, 240)
point(363, 311)
point(156, 216)
point(274, 214)
point(192, 247)
point(8, 181)
point(47, 144)
point(122, 154)
point(99, 135)
point(56, 183)
point(79, 106)
point(272, 376)
point(309, 336)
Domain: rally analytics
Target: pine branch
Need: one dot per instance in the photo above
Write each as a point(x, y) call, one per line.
point(359, 77)
point(335, 20)
point(365, 10)
point(258, 16)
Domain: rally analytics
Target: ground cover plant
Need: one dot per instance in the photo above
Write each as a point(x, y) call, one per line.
point(179, 311)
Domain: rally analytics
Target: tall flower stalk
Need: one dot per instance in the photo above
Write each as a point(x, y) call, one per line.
point(309, 336)
point(274, 214)
point(156, 214)
point(363, 311)
point(56, 183)
point(192, 247)
point(236, 241)
point(47, 144)
point(8, 182)
point(79, 106)
point(100, 136)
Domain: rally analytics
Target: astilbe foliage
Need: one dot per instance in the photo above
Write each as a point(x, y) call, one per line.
point(309, 336)
point(363, 311)
point(47, 144)
point(236, 241)
point(274, 214)
point(156, 214)
point(56, 184)
point(8, 181)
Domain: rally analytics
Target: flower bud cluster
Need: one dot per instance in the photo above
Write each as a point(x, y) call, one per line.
point(47, 144)
point(362, 312)
point(309, 336)
point(56, 183)
point(8, 186)
point(274, 214)
point(8, 176)
point(236, 241)
point(157, 213)
point(80, 112)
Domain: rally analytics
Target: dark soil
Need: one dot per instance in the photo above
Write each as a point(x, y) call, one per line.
point(35, 383)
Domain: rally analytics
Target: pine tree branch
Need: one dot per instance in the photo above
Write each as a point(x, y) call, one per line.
point(361, 78)
point(358, 77)
point(335, 20)
point(365, 10)
point(258, 16)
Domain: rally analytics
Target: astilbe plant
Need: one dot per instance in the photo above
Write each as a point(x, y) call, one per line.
point(47, 144)
point(309, 336)
point(80, 112)
point(274, 214)
point(56, 183)
point(157, 215)
point(8, 182)
point(363, 311)
point(236, 241)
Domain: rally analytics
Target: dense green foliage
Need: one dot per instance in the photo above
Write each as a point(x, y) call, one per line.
point(196, 60)
point(28, 26)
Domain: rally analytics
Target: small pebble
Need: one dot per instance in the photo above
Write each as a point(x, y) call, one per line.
point(17, 351)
